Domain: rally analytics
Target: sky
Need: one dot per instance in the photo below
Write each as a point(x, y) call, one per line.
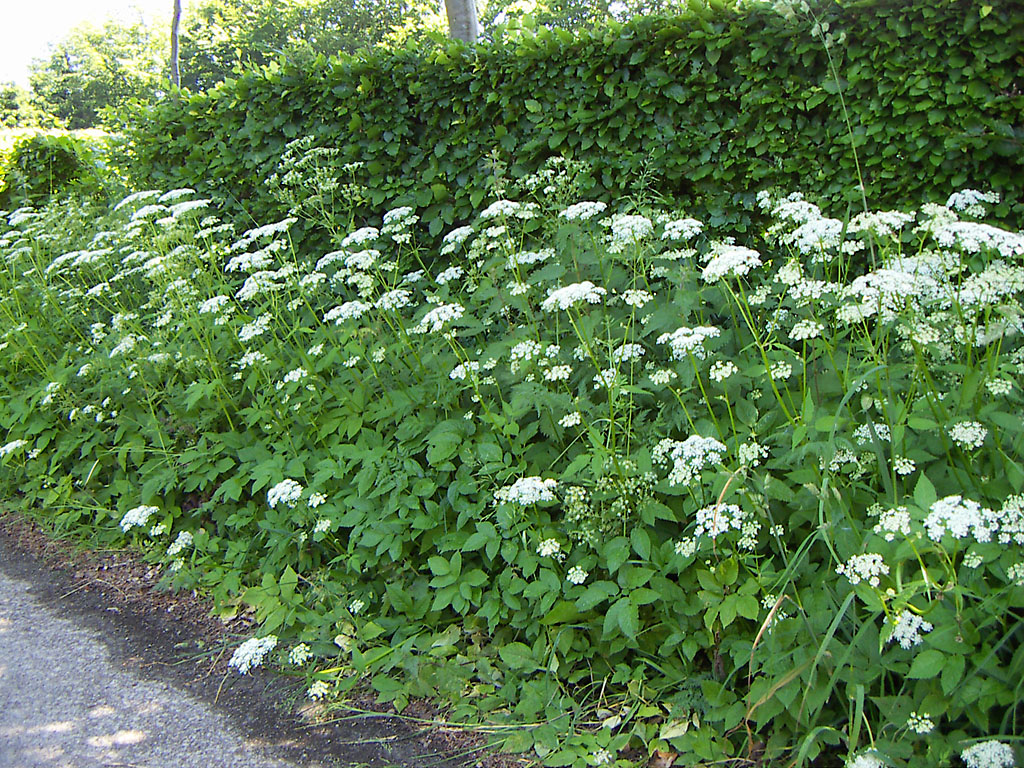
point(30, 26)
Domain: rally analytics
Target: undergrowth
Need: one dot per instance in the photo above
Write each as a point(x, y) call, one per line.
point(602, 479)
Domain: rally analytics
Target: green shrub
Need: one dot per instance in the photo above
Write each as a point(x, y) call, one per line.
point(602, 473)
point(706, 108)
point(38, 165)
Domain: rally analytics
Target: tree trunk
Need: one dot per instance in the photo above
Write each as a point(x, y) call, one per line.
point(175, 22)
point(462, 20)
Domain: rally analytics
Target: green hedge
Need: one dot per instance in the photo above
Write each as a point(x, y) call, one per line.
point(709, 107)
point(35, 165)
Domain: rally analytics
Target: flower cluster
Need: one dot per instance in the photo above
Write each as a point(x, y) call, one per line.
point(251, 653)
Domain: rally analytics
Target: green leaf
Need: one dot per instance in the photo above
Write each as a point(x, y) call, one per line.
point(517, 656)
point(927, 664)
point(924, 492)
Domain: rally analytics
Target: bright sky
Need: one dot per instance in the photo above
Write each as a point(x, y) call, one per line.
point(30, 26)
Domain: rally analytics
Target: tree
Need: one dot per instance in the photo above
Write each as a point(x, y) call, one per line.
point(175, 24)
point(463, 23)
point(96, 67)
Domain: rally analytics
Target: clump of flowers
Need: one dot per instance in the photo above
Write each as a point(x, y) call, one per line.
point(251, 653)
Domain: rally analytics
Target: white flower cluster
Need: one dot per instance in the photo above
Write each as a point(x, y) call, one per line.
point(583, 210)
point(960, 518)
point(360, 236)
point(394, 299)
point(549, 548)
point(571, 295)
point(350, 310)
point(686, 341)
point(893, 521)
point(680, 229)
point(464, 370)
point(528, 258)
point(865, 760)
point(251, 653)
point(908, 628)
point(988, 754)
point(576, 575)
point(968, 434)
point(627, 229)
point(867, 567)
point(455, 238)
point(727, 260)
point(138, 516)
point(287, 492)
point(300, 654)
point(11, 447)
point(688, 457)
point(920, 723)
point(438, 317)
point(973, 237)
point(716, 519)
point(183, 542)
point(527, 491)
point(971, 201)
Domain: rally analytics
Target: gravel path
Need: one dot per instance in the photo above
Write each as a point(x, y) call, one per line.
point(66, 702)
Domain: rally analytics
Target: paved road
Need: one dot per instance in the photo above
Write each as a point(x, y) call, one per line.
point(67, 702)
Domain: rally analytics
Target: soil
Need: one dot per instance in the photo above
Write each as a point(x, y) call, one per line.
point(175, 638)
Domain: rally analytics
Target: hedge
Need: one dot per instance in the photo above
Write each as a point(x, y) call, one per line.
point(708, 106)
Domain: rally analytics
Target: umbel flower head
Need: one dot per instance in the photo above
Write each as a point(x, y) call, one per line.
point(250, 654)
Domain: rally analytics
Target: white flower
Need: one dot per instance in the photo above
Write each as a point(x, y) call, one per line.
point(350, 310)
point(920, 723)
point(988, 754)
point(968, 434)
point(300, 654)
point(356, 606)
point(360, 236)
point(970, 201)
point(137, 516)
point(527, 491)
point(558, 373)
point(903, 466)
point(1015, 574)
point(960, 517)
point(687, 341)
point(729, 260)
point(681, 229)
point(461, 371)
point(893, 521)
point(865, 760)
point(973, 237)
point(393, 300)
point(576, 575)
point(323, 525)
point(181, 543)
point(571, 295)
point(722, 370)
point(867, 567)
point(806, 329)
point(256, 328)
point(438, 317)
point(318, 689)
point(750, 454)
point(445, 277)
point(287, 492)
point(781, 370)
point(863, 434)
point(662, 376)
point(454, 239)
point(11, 447)
point(719, 518)
point(636, 298)
point(908, 628)
point(685, 547)
point(627, 352)
point(999, 386)
point(570, 419)
point(687, 458)
point(250, 653)
point(584, 210)
point(549, 548)
point(500, 208)
point(627, 229)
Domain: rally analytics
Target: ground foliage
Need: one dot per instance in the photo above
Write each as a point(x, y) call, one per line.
point(606, 474)
point(707, 107)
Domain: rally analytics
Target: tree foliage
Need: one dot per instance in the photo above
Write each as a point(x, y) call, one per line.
point(96, 67)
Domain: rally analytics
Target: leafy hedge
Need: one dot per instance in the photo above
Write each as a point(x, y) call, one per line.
point(707, 107)
point(36, 165)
